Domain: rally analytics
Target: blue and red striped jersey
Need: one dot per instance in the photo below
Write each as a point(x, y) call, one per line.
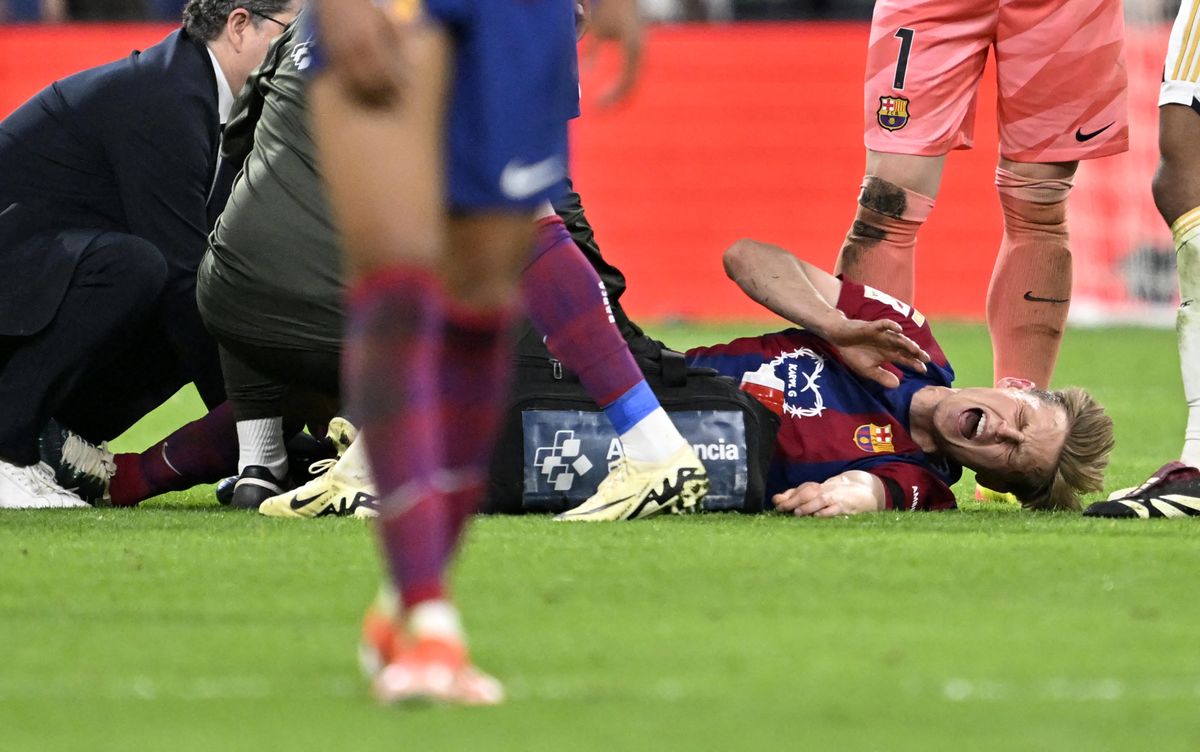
point(832, 420)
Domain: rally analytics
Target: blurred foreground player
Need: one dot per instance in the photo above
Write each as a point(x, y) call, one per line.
point(859, 434)
point(924, 64)
point(104, 181)
point(1174, 489)
point(435, 212)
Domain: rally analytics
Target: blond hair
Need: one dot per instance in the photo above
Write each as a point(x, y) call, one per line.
point(1084, 455)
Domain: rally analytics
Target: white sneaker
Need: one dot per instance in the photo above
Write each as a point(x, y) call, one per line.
point(33, 487)
point(344, 488)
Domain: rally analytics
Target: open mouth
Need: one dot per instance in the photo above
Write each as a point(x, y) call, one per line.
point(971, 423)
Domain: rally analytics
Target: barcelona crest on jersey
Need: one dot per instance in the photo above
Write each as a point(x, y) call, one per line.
point(893, 113)
point(874, 439)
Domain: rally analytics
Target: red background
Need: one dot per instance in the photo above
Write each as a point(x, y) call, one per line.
point(748, 130)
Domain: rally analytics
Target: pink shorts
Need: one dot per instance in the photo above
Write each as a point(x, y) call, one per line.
point(1060, 65)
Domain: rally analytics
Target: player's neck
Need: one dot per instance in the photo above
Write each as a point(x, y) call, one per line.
point(920, 416)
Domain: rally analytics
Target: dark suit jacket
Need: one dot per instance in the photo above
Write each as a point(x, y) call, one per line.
point(126, 147)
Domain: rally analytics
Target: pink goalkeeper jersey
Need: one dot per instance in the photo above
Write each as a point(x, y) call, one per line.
point(1060, 65)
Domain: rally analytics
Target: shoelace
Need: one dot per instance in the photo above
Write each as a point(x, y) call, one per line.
point(617, 474)
point(40, 479)
point(87, 458)
point(320, 467)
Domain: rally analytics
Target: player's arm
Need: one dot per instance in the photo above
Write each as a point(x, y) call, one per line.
point(851, 492)
point(362, 44)
point(619, 22)
point(807, 295)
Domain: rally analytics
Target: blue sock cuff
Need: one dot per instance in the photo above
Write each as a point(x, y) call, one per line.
point(631, 407)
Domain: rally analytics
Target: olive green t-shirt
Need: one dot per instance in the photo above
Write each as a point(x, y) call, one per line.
point(273, 272)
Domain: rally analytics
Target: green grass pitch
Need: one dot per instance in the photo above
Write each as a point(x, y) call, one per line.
point(181, 626)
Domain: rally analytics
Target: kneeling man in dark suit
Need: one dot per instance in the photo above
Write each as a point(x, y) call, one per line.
point(105, 179)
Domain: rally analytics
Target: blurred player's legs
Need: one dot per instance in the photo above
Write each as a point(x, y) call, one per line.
point(385, 185)
point(427, 350)
point(1174, 489)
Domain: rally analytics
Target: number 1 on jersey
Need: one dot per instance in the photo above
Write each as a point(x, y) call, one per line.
point(906, 40)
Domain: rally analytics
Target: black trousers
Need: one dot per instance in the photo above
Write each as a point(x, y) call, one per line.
point(91, 365)
point(263, 382)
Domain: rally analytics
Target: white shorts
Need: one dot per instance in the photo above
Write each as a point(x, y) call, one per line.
point(1182, 70)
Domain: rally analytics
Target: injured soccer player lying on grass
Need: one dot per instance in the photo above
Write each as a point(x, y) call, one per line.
point(869, 420)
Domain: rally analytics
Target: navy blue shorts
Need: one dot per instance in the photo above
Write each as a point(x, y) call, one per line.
point(515, 86)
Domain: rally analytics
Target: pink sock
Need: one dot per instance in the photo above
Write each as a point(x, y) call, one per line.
point(878, 250)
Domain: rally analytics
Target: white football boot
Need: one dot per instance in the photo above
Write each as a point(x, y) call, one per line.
point(635, 490)
point(344, 488)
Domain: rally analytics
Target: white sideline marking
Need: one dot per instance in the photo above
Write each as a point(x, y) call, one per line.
point(1062, 689)
point(577, 688)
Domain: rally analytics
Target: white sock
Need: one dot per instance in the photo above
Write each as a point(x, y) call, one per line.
point(387, 600)
point(653, 439)
point(1186, 231)
point(260, 442)
point(437, 619)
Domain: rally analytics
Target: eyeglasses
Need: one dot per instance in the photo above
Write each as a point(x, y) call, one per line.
point(253, 12)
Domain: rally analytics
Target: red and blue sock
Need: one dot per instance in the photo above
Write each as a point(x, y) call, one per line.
point(203, 451)
point(568, 304)
point(429, 378)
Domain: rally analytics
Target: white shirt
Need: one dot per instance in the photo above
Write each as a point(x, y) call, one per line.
point(224, 92)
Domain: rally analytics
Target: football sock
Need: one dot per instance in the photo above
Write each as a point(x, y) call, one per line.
point(1186, 231)
point(203, 451)
point(878, 251)
point(260, 442)
point(438, 619)
point(476, 371)
point(1030, 291)
point(568, 304)
point(654, 438)
point(392, 371)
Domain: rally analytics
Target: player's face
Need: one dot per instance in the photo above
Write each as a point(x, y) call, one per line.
point(1011, 438)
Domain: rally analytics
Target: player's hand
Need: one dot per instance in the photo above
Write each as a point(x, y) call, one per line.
point(616, 21)
point(363, 45)
point(839, 496)
point(868, 346)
